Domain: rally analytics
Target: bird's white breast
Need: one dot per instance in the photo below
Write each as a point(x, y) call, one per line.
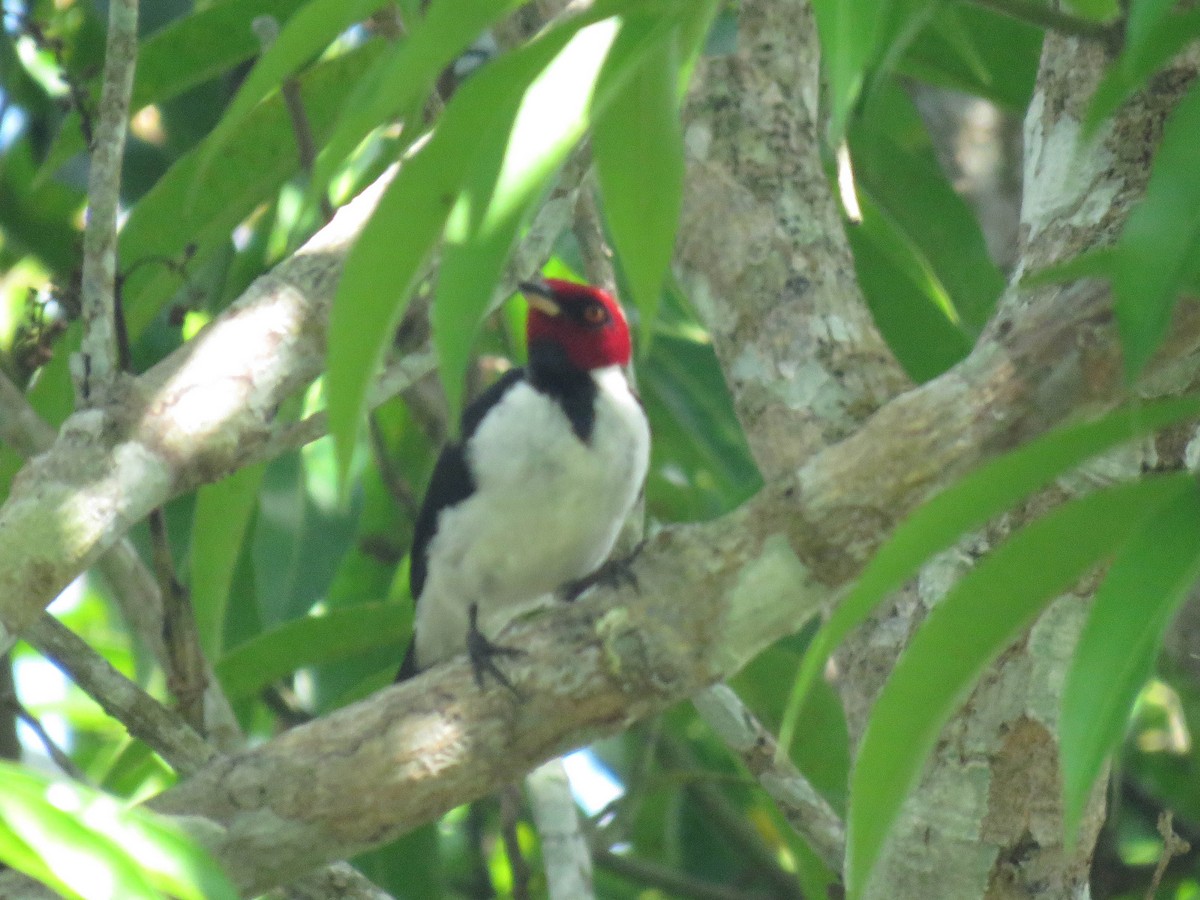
point(546, 510)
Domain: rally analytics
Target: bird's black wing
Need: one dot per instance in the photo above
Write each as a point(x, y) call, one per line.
point(450, 484)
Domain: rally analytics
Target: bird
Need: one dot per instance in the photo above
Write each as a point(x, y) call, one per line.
point(531, 497)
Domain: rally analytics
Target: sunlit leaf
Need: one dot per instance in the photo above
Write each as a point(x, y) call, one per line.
point(637, 143)
point(1120, 642)
point(305, 35)
point(402, 79)
point(185, 53)
point(85, 844)
point(983, 613)
point(255, 163)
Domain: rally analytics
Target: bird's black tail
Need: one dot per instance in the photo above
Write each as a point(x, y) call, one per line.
point(408, 668)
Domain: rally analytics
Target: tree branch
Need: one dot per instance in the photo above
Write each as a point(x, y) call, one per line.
point(98, 350)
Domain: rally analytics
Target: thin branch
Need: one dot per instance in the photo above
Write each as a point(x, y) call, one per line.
point(99, 347)
point(807, 812)
point(266, 28)
point(187, 675)
point(15, 711)
point(147, 719)
point(131, 584)
point(566, 855)
point(1044, 16)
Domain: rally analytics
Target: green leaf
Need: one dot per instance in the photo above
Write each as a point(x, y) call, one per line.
point(984, 612)
point(305, 35)
point(1152, 39)
point(402, 80)
point(187, 52)
point(901, 174)
point(1158, 246)
point(548, 119)
point(968, 504)
point(381, 272)
point(909, 304)
point(281, 651)
point(255, 162)
point(637, 143)
point(85, 844)
point(975, 50)
point(1097, 263)
point(848, 31)
point(223, 510)
point(488, 166)
point(1119, 644)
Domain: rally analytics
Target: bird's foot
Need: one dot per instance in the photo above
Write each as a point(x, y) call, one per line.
point(613, 574)
point(483, 652)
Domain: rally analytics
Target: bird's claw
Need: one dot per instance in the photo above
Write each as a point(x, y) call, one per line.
point(612, 574)
point(482, 652)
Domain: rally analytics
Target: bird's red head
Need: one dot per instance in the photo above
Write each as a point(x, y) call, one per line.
point(585, 321)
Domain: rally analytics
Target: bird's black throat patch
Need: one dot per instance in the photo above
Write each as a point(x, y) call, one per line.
point(553, 374)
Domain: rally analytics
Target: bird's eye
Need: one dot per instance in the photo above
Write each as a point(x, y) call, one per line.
point(595, 314)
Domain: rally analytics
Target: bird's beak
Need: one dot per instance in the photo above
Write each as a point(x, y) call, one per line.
point(540, 297)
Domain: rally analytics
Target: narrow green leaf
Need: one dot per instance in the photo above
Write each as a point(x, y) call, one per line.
point(981, 52)
point(452, 169)
point(964, 633)
point(185, 53)
point(902, 175)
point(307, 33)
point(245, 670)
point(910, 306)
point(401, 81)
point(548, 119)
point(1151, 41)
point(1158, 246)
point(1119, 644)
point(968, 504)
point(222, 512)
point(381, 270)
point(849, 32)
point(637, 143)
point(255, 162)
point(1097, 263)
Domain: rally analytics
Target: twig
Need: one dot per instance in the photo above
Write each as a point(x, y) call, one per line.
point(10, 744)
point(1045, 16)
point(187, 675)
point(395, 482)
point(145, 717)
point(566, 856)
point(1173, 845)
point(10, 703)
point(99, 346)
point(266, 28)
point(805, 809)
